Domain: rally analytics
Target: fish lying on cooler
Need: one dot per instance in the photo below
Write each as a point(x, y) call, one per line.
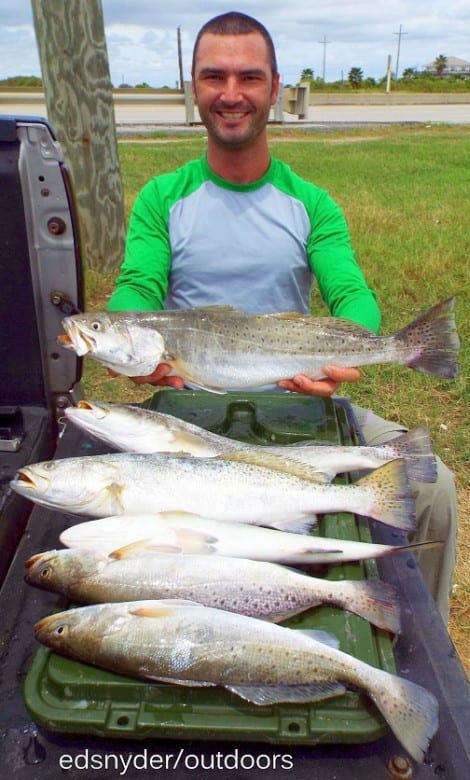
point(135, 429)
point(183, 533)
point(218, 348)
point(256, 588)
point(238, 487)
point(263, 663)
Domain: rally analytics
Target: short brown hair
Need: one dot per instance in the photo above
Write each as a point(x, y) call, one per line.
point(236, 23)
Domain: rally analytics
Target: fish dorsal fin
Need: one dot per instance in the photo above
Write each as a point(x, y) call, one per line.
point(216, 308)
point(160, 608)
point(291, 315)
point(285, 465)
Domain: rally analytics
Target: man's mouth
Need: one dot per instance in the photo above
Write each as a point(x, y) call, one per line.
point(232, 115)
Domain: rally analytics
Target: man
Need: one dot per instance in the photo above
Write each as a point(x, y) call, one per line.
point(240, 228)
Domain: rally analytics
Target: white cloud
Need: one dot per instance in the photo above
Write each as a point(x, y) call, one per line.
point(141, 36)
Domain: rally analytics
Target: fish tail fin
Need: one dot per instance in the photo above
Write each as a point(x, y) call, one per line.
point(415, 447)
point(391, 499)
point(432, 342)
point(410, 710)
point(373, 600)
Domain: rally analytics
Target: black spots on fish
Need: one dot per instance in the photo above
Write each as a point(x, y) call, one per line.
point(432, 342)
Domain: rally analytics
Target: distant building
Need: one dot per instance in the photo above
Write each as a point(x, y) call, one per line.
point(454, 67)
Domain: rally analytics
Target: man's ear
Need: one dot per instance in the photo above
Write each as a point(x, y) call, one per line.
point(275, 89)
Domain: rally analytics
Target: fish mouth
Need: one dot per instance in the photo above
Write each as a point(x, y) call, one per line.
point(43, 623)
point(33, 560)
point(75, 339)
point(25, 480)
point(86, 411)
point(88, 406)
point(46, 625)
point(26, 483)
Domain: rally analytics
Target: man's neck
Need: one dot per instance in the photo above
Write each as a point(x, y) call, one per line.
point(240, 166)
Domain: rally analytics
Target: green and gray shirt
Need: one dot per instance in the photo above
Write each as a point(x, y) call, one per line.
point(195, 239)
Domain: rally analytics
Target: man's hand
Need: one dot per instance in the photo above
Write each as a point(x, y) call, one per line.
point(322, 387)
point(158, 377)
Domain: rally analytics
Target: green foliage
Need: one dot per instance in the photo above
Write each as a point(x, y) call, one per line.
point(411, 81)
point(307, 75)
point(21, 81)
point(440, 64)
point(355, 77)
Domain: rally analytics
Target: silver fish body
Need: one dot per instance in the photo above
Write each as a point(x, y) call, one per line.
point(256, 588)
point(189, 534)
point(259, 661)
point(218, 348)
point(136, 429)
point(230, 488)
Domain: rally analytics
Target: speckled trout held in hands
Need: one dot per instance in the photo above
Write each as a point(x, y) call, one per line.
point(219, 348)
point(239, 487)
point(263, 663)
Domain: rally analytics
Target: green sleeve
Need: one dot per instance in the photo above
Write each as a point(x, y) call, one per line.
point(340, 280)
point(143, 279)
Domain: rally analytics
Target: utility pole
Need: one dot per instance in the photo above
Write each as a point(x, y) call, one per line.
point(389, 72)
point(77, 86)
point(399, 33)
point(324, 42)
point(180, 58)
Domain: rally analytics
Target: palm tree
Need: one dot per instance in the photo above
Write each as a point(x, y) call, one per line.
point(355, 77)
point(307, 75)
point(440, 64)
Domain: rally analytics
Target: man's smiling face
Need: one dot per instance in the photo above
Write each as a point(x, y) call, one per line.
point(234, 87)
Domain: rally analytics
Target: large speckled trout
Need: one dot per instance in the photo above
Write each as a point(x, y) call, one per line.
point(256, 588)
point(238, 487)
point(193, 645)
point(135, 429)
point(218, 348)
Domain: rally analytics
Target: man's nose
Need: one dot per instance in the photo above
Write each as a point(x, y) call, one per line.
point(231, 92)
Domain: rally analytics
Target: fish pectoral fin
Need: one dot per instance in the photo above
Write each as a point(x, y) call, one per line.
point(263, 695)
point(180, 369)
point(160, 608)
point(286, 465)
point(130, 550)
point(195, 542)
point(193, 385)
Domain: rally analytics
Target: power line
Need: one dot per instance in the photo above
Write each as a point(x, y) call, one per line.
point(399, 33)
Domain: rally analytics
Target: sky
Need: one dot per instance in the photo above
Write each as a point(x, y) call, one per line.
point(330, 37)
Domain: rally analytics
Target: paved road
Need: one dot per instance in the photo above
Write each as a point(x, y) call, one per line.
point(146, 113)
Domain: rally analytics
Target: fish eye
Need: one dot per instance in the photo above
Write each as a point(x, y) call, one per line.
point(60, 630)
point(95, 325)
point(45, 571)
point(49, 466)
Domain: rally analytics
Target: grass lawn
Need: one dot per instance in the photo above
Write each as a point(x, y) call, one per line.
point(404, 190)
